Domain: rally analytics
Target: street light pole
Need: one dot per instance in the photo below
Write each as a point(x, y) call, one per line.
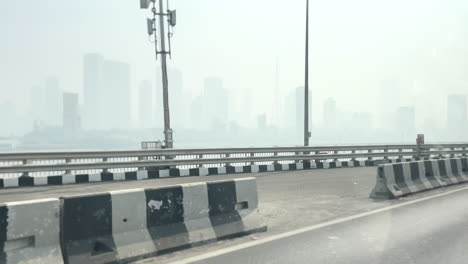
point(306, 84)
point(167, 120)
point(151, 26)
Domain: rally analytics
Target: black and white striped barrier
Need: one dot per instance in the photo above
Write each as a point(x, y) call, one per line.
point(400, 179)
point(154, 174)
point(131, 224)
point(127, 225)
point(30, 232)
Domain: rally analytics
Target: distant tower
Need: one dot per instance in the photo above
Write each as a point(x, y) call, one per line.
point(262, 122)
point(71, 118)
point(107, 93)
point(216, 103)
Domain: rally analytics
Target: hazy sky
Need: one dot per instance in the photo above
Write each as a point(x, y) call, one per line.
point(355, 46)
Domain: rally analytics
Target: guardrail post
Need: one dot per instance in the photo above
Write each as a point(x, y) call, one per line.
point(228, 156)
point(317, 161)
point(140, 159)
point(200, 156)
point(68, 172)
point(105, 160)
point(418, 149)
point(275, 154)
point(385, 150)
point(25, 173)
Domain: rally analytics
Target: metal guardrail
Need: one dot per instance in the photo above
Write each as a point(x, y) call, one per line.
point(76, 162)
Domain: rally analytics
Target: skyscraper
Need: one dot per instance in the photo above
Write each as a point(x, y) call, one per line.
point(71, 118)
point(216, 103)
point(145, 105)
point(329, 114)
point(294, 110)
point(262, 122)
point(107, 94)
point(116, 95)
point(92, 82)
point(197, 113)
point(456, 116)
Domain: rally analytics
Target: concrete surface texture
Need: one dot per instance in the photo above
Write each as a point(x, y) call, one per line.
point(431, 231)
point(118, 226)
point(290, 201)
point(396, 180)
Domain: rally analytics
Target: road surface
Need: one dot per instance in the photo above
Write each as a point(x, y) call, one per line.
point(431, 230)
point(313, 195)
point(288, 201)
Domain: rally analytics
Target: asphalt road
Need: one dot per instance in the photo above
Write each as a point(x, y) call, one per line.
point(429, 231)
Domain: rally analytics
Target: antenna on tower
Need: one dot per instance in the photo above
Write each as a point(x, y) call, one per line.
point(158, 11)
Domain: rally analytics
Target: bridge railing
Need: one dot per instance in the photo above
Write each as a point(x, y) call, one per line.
point(77, 162)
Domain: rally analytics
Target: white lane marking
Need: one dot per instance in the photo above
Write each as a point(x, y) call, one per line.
point(309, 228)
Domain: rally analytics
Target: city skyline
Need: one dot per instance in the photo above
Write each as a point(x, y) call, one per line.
point(214, 113)
point(349, 61)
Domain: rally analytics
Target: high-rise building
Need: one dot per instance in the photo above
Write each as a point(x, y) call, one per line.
point(93, 91)
point(456, 116)
point(216, 103)
point(294, 110)
point(107, 94)
point(117, 95)
point(71, 118)
point(53, 98)
point(196, 114)
point(329, 114)
point(262, 122)
point(405, 125)
point(145, 105)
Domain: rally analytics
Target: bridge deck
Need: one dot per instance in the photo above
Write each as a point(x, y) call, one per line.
point(288, 200)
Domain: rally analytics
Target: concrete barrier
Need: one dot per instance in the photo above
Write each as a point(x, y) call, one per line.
point(400, 179)
point(29, 232)
point(132, 224)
